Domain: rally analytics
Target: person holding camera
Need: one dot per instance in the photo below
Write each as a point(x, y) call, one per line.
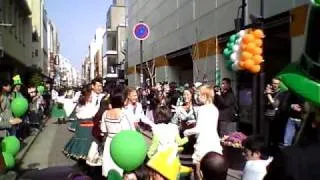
point(275, 113)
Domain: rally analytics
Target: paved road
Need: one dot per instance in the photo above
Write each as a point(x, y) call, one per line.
point(46, 151)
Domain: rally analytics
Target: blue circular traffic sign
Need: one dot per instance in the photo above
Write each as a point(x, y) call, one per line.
point(141, 31)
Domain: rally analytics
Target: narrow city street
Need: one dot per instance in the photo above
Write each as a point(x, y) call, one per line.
point(46, 151)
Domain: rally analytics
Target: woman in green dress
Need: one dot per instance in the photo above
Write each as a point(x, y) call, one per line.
point(79, 145)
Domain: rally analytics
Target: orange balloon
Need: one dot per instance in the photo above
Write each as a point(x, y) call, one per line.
point(258, 42)
point(241, 64)
point(248, 38)
point(243, 47)
point(246, 55)
point(258, 33)
point(255, 69)
point(257, 59)
point(250, 47)
point(248, 64)
point(257, 51)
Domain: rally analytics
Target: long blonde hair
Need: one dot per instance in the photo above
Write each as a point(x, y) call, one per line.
point(208, 92)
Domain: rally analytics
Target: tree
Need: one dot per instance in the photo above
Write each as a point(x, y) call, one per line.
point(35, 76)
point(150, 68)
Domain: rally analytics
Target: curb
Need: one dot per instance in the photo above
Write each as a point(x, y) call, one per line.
point(30, 141)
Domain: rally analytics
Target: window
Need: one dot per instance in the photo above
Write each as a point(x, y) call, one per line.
point(35, 36)
point(36, 53)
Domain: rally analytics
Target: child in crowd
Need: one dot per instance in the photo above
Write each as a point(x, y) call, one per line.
point(165, 134)
point(213, 166)
point(256, 154)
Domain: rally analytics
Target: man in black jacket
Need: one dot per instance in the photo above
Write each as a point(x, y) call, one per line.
point(227, 105)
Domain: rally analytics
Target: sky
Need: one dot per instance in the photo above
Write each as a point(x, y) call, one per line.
point(76, 21)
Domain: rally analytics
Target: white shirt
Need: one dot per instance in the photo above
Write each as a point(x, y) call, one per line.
point(86, 111)
point(207, 130)
point(255, 169)
point(137, 113)
point(167, 134)
point(96, 99)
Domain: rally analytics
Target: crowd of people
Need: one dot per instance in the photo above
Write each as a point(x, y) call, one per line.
point(38, 105)
point(191, 118)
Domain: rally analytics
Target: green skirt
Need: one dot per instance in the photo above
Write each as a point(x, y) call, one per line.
point(58, 112)
point(72, 125)
point(79, 145)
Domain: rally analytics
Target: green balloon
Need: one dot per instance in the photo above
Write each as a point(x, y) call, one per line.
point(11, 145)
point(300, 83)
point(316, 2)
point(283, 87)
point(227, 53)
point(114, 175)
point(229, 65)
point(40, 89)
point(19, 106)
point(233, 38)
point(230, 45)
point(128, 149)
point(8, 160)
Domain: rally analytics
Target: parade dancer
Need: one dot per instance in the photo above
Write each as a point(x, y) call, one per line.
point(206, 128)
point(134, 108)
point(113, 121)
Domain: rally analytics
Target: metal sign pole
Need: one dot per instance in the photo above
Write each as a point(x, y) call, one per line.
point(141, 63)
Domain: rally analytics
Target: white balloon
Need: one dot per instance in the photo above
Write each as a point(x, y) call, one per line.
point(236, 48)
point(233, 56)
point(241, 33)
point(235, 67)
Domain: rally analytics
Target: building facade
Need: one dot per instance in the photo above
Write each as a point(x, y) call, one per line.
point(15, 37)
point(39, 35)
point(95, 53)
point(115, 41)
point(53, 49)
point(85, 72)
point(187, 36)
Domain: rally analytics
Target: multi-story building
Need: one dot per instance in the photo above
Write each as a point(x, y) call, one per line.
point(95, 53)
point(187, 38)
point(115, 40)
point(66, 72)
point(15, 37)
point(39, 35)
point(86, 70)
point(53, 49)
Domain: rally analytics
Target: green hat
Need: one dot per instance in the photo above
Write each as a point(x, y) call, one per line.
point(17, 80)
point(304, 78)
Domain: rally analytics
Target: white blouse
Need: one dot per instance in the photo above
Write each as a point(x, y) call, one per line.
point(207, 130)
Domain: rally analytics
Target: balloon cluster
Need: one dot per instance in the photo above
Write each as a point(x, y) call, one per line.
point(10, 147)
point(244, 50)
